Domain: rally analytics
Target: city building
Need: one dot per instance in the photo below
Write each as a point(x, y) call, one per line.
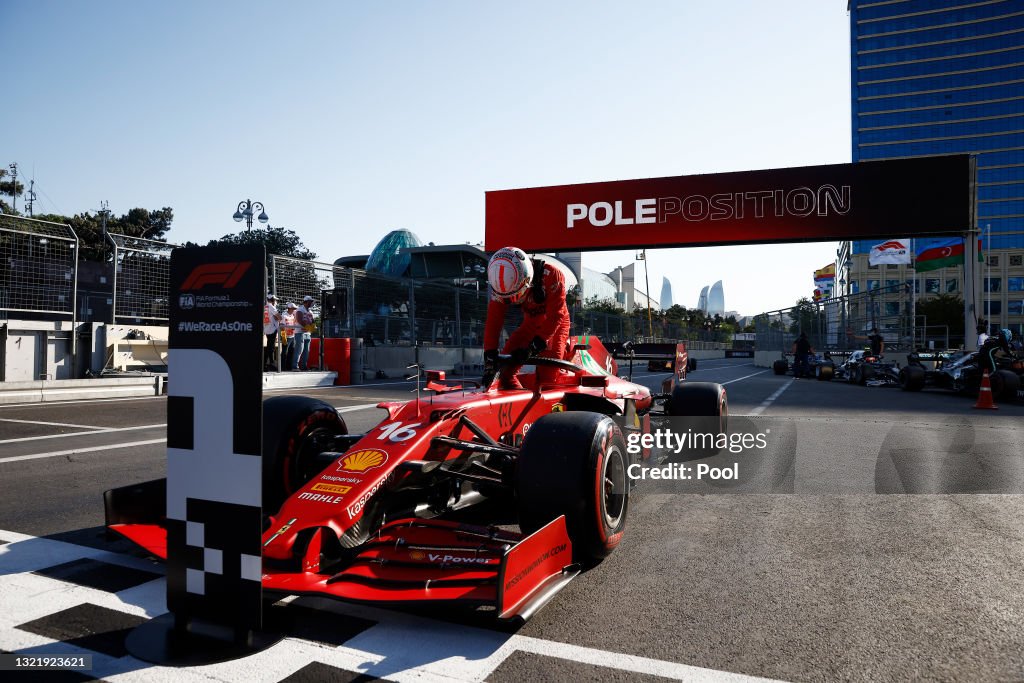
point(716, 299)
point(712, 299)
point(666, 294)
point(931, 78)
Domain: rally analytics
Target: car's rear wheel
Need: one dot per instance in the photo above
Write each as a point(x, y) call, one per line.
point(866, 374)
point(824, 373)
point(780, 367)
point(575, 464)
point(296, 430)
point(700, 408)
point(912, 378)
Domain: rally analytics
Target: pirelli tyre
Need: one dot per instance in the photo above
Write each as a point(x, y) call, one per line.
point(866, 374)
point(699, 408)
point(575, 464)
point(912, 378)
point(780, 367)
point(691, 364)
point(296, 430)
point(824, 373)
point(1004, 385)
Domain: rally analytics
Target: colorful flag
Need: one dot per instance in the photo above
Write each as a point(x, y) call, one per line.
point(939, 253)
point(891, 251)
point(825, 277)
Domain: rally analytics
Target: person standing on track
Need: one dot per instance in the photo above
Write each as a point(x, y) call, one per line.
point(538, 289)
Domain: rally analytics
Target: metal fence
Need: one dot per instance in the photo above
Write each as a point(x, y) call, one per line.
point(39, 268)
point(638, 326)
point(844, 323)
point(142, 275)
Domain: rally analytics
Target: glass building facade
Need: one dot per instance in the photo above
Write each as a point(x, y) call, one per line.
point(941, 77)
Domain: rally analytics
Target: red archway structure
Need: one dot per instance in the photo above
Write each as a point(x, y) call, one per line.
point(920, 197)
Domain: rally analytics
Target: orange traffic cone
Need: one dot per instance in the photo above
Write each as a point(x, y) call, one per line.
point(985, 401)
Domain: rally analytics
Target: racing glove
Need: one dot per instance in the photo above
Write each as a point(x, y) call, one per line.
point(519, 356)
point(537, 345)
point(490, 366)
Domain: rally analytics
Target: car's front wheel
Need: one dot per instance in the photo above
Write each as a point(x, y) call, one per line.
point(296, 430)
point(575, 464)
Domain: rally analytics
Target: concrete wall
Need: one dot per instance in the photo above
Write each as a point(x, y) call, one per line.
point(73, 389)
point(33, 350)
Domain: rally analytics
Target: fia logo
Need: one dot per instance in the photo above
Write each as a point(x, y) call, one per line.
point(187, 302)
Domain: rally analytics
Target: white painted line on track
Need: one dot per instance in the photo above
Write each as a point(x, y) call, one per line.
point(771, 399)
point(76, 451)
point(740, 379)
point(44, 404)
point(624, 662)
point(97, 430)
point(51, 424)
point(349, 409)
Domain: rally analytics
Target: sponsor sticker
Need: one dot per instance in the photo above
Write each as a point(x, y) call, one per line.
point(321, 498)
point(558, 408)
point(357, 507)
point(362, 460)
point(332, 488)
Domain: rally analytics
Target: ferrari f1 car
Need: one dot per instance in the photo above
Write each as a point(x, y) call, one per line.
point(381, 517)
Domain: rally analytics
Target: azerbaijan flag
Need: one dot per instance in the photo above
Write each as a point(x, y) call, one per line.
point(938, 253)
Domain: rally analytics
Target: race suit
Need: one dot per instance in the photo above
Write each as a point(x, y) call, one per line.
point(545, 315)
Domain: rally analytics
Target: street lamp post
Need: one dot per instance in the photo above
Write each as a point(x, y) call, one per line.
point(246, 209)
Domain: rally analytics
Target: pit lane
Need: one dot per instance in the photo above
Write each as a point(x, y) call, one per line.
point(823, 574)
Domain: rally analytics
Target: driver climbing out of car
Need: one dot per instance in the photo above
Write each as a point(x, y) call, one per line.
point(996, 345)
point(538, 288)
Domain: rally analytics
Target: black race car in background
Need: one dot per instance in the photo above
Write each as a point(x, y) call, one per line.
point(962, 372)
point(819, 366)
point(866, 369)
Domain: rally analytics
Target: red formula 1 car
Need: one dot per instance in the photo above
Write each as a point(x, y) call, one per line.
point(377, 517)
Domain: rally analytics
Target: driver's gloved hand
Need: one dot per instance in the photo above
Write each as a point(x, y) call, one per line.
point(490, 366)
point(537, 345)
point(519, 356)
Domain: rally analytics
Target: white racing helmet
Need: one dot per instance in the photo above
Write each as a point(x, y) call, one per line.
point(510, 274)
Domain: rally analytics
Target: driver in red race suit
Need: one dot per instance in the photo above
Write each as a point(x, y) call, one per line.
point(539, 289)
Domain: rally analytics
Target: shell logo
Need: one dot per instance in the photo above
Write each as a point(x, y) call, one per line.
point(417, 555)
point(362, 460)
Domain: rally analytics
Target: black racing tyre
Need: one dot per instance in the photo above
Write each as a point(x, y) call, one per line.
point(701, 408)
point(824, 373)
point(296, 429)
point(912, 378)
point(866, 374)
point(691, 364)
point(780, 367)
point(854, 376)
point(1004, 385)
point(575, 464)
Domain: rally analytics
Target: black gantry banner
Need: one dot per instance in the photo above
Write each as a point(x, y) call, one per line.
point(214, 435)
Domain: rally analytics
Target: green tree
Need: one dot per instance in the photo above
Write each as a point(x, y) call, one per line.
point(94, 246)
point(943, 309)
point(806, 317)
point(598, 305)
point(10, 189)
point(280, 241)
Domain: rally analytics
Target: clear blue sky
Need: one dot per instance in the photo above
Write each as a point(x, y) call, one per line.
point(351, 119)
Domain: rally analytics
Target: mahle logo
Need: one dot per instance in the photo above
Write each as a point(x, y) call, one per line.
point(226, 275)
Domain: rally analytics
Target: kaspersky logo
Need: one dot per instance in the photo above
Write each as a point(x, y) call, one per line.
point(226, 275)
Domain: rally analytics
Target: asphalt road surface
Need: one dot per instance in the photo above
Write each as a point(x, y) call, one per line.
point(878, 537)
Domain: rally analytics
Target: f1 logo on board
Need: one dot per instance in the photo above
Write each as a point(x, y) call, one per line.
point(226, 275)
